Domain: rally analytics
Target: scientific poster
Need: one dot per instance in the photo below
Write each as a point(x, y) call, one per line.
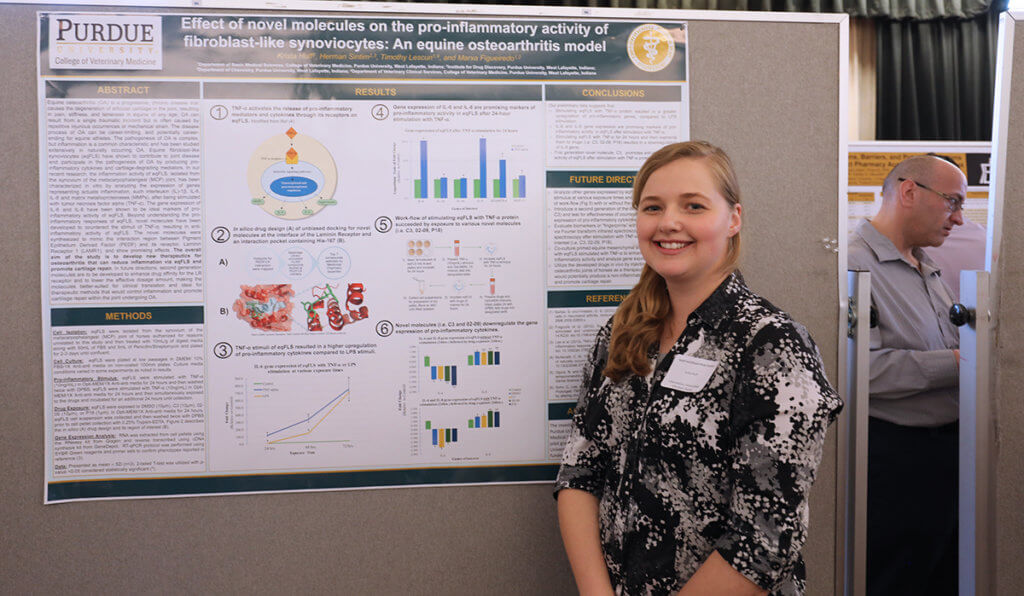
point(870, 161)
point(287, 252)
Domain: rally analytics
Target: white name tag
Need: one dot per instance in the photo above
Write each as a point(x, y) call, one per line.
point(689, 374)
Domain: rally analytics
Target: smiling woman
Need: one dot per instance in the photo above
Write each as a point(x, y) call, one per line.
point(700, 425)
point(685, 227)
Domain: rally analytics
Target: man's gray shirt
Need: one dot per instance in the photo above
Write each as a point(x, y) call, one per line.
point(914, 376)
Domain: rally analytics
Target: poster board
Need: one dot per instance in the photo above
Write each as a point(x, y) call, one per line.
point(466, 539)
point(294, 252)
point(1007, 299)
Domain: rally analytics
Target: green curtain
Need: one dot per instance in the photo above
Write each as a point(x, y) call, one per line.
point(895, 9)
point(936, 79)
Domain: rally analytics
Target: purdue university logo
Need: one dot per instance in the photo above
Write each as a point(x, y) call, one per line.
point(105, 42)
point(650, 47)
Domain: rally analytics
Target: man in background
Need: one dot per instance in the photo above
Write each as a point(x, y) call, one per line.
point(914, 377)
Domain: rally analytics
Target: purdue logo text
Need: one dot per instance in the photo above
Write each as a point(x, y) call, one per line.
point(106, 42)
point(111, 32)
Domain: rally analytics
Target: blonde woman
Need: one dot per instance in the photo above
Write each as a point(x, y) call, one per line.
point(704, 408)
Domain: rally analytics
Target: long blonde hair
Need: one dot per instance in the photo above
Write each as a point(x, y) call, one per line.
point(639, 320)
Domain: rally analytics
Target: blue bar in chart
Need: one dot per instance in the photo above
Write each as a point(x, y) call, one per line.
point(483, 169)
point(422, 186)
point(503, 179)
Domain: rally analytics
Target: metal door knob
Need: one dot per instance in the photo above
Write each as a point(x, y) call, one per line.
point(960, 315)
point(851, 315)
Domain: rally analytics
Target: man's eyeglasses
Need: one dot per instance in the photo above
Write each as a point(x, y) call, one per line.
point(953, 204)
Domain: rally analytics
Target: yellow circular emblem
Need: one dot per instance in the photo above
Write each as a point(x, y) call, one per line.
point(650, 47)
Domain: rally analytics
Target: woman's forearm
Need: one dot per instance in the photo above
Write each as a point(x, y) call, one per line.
point(577, 520)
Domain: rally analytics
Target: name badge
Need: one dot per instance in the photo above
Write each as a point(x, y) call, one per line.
point(689, 374)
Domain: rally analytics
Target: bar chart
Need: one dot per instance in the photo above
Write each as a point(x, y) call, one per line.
point(442, 436)
point(477, 181)
point(492, 419)
point(484, 358)
point(449, 373)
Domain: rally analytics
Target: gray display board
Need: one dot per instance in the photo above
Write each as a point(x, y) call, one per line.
point(771, 92)
point(1008, 302)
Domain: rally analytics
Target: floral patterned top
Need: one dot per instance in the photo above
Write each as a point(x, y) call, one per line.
point(726, 467)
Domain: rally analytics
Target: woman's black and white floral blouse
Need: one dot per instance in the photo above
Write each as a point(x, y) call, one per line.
point(728, 467)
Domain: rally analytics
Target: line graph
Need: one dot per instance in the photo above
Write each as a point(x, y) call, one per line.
point(288, 433)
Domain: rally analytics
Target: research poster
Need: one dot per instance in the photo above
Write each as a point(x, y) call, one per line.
point(293, 252)
point(869, 162)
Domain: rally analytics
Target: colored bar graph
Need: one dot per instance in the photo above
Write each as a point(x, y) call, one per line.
point(440, 437)
point(422, 188)
point(484, 358)
point(490, 420)
point(459, 188)
point(448, 373)
point(483, 168)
